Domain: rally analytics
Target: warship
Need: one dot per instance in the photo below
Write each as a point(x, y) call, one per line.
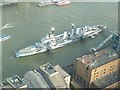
point(52, 41)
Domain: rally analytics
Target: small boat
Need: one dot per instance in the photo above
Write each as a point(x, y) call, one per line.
point(63, 2)
point(5, 37)
point(7, 25)
point(44, 3)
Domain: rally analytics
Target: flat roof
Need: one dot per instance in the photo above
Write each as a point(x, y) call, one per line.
point(16, 82)
point(48, 69)
point(107, 80)
point(54, 75)
point(99, 58)
point(58, 81)
point(7, 86)
point(61, 70)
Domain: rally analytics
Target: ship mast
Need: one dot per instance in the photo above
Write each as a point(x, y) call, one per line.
point(52, 30)
point(73, 28)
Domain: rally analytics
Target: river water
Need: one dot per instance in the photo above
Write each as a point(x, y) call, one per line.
point(29, 23)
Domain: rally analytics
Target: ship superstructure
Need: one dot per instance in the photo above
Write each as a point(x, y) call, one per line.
point(52, 41)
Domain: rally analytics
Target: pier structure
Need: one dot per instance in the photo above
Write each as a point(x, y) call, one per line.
point(102, 43)
point(116, 42)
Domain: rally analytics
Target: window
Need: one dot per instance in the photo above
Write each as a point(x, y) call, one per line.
point(86, 72)
point(80, 79)
point(84, 82)
point(110, 71)
point(87, 84)
point(118, 66)
point(87, 68)
point(95, 69)
point(86, 75)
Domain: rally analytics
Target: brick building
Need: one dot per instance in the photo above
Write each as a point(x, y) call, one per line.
point(90, 69)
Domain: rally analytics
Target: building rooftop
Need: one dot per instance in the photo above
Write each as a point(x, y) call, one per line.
point(61, 71)
point(55, 75)
point(107, 80)
point(35, 80)
point(6, 85)
point(99, 58)
point(58, 81)
point(15, 82)
point(47, 76)
point(48, 69)
point(66, 77)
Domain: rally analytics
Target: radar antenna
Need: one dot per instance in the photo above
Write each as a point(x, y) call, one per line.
point(73, 25)
point(52, 30)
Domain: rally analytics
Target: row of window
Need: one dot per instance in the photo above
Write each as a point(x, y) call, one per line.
point(104, 72)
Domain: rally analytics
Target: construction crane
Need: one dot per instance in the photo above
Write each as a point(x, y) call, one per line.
point(102, 43)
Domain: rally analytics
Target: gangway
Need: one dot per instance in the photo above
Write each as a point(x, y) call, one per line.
point(102, 43)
